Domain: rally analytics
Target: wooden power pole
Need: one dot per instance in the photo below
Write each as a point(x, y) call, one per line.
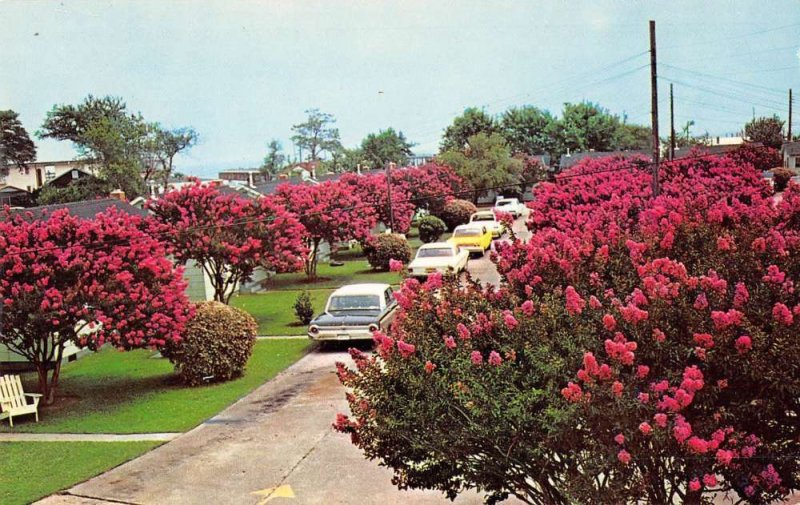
point(789, 130)
point(654, 106)
point(671, 125)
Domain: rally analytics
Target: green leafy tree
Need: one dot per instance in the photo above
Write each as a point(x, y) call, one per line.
point(106, 135)
point(16, 147)
point(586, 126)
point(631, 137)
point(275, 160)
point(767, 130)
point(379, 149)
point(472, 122)
point(167, 144)
point(345, 160)
point(87, 188)
point(317, 134)
point(529, 130)
point(485, 163)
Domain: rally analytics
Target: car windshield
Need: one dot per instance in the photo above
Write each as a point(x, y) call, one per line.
point(354, 302)
point(502, 203)
point(468, 233)
point(435, 252)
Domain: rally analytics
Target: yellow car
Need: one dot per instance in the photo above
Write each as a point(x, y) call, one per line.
point(472, 238)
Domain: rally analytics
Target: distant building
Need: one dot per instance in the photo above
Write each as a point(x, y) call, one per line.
point(250, 177)
point(68, 178)
point(39, 173)
point(417, 160)
point(790, 151)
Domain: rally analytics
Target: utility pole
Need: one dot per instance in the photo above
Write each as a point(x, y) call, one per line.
point(671, 125)
point(389, 194)
point(789, 131)
point(654, 106)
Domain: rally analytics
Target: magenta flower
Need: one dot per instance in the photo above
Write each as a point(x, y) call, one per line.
point(575, 303)
point(624, 457)
point(619, 438)
point(429, 367)
point(476, 358)
point(743, 344)
point(694, 485)
point(527, 308)
point(495, 359)
point(450, 342)
point(645, 428)
point(395, 265)
point(405, 348)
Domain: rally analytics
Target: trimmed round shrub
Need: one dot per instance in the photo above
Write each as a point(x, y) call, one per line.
point(388, 246)
point(431, 229)
point(456, 212)
point(781, 177)
point(216, 344)
point(303, 308)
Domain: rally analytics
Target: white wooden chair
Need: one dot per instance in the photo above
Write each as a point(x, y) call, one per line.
point(14, 401)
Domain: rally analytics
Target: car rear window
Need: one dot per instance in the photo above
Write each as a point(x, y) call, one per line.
point(435, 252)
point(484, 218)
point(354, 302)
point(468, 233)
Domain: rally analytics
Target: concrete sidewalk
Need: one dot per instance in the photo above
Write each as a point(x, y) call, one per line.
point(274, 445)
point(88, 437)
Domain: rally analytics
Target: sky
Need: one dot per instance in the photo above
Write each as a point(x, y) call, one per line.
point(243, 72)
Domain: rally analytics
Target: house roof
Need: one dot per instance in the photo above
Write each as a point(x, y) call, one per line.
point(791, 148)
point(709, 150)
point(86, 209)
point(569, 160)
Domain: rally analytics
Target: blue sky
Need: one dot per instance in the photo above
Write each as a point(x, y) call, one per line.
point(241, 73)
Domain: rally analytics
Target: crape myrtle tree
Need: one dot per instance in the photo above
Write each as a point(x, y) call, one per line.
point(329, 212)
point(431, 185)
point(229, 236)
point(88, 282)
point(641, 350)
point(372, 190)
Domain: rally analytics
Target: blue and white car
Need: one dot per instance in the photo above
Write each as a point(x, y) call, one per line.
point(354, 312)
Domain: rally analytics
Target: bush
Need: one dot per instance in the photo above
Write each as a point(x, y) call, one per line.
point(217, 343)
point(629, 331)
point(456, 212)
point(303, 308)
point(431, 229)
point(781, 177)
point(384, 247)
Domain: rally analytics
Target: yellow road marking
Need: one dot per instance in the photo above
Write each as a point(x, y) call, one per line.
point(284, 491)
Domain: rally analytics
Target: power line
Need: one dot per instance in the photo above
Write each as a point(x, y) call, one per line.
point(719, 78)
point(732, 37)
point(750, 101)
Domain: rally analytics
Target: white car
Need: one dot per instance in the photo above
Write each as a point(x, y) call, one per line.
point(488, 219)
point(354, 312)
point(511, 205)
point(439, 257)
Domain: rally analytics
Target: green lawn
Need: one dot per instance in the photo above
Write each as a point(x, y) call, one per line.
point(331, 277)
point(32, 470)
point(132, 392)
point(274, 310)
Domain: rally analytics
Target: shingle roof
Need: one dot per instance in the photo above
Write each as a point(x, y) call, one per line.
point(791, 148)
point(86, 209)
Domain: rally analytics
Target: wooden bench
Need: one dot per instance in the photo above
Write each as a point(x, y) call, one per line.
point(14, 401)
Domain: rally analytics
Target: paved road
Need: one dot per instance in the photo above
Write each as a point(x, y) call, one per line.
point(273, 444)
point(483, 269)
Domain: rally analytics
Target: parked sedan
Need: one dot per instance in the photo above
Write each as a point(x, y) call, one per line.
point(354, 312)
point(488, 219)
point(472, 238)
point(442, 257)
point(510, 205)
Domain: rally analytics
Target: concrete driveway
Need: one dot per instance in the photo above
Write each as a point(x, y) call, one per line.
point(274, 446)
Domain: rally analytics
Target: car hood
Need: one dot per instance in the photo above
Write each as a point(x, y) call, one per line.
point(431, 262)
point(348, 318)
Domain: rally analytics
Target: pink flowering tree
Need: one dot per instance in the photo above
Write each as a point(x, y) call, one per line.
point(430, 186)
point(88, 282)
point(641, 349)
point(329, 212)
point(372, 190)
point(229, 236)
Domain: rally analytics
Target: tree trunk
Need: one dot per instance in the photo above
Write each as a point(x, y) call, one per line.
point(311, 260)
point(48, 385)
